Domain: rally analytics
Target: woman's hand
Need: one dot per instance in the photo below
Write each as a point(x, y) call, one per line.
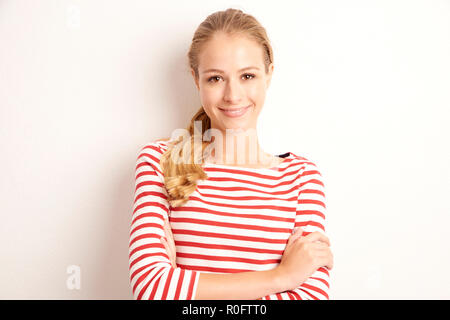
point(169, 243)
point(302, 257)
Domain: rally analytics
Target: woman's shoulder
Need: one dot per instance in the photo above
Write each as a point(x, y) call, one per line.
point(303, 163)
point(158, 144)
point(152, 151)
point(300, 158)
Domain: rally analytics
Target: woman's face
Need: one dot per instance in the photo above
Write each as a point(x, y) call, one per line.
point(230, 86)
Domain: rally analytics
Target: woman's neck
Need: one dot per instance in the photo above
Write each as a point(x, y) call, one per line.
point(237, 148)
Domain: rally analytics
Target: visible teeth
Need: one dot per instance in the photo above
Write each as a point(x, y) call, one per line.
point(235, 111)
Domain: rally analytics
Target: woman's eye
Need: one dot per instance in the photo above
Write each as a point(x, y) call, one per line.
point(214, 77)
point(251, 75)
point(247, 76)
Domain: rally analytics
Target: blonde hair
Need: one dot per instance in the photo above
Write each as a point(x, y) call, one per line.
point(181, 177)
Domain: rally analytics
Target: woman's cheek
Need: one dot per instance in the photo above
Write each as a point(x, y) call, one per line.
point(211, 98)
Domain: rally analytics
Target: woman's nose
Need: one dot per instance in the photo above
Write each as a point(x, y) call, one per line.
point(233, 92)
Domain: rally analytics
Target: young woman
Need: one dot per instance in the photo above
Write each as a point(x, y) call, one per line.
point(220, 228)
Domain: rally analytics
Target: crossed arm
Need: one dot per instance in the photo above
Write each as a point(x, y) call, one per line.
point(153, 271)
point(267, 285)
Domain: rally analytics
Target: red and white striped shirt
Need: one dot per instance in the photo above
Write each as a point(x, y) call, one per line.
point(239, 219)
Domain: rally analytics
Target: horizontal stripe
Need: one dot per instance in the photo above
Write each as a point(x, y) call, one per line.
point(230, 225)
point(229, 214)
point(227, 236)
point(225, 247)
point(237, 220)
point(224, 258)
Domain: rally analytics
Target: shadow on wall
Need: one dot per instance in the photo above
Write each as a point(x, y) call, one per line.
point(110, 279)
point(110, 276)
point(180, 93)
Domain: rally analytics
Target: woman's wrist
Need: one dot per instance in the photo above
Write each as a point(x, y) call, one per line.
point(279, 279)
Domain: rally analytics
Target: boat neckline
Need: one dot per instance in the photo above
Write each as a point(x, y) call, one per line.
point(286, 157)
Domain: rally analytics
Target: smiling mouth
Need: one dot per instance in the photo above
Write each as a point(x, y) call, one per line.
point(235, 112)
point(234, 109)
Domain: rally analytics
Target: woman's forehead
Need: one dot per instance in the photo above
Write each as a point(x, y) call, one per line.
point(231, 54)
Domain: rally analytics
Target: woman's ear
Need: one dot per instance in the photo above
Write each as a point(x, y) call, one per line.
point(195, 79)
point(269, 75)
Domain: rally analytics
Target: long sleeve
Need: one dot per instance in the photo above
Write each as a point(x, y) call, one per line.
point(152, 276)
point(310, 216)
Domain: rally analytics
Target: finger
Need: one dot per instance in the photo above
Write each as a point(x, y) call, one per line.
point(320, 245)
point(327, 258)
point(297, 230)
point(170, 242)
point(297, 233)
point(166, 247)
point(168, 229)
point(327, 263)
point(317, 236)
point(164, 228)
point(169, 251)
point(170, 239)
point(174, 264)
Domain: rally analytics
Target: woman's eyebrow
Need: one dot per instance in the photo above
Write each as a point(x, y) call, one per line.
point(221, 71)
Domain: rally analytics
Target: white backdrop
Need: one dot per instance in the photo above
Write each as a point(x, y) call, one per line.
point(362, 88)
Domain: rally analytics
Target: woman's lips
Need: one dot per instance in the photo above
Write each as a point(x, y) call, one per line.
point(235, 112)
